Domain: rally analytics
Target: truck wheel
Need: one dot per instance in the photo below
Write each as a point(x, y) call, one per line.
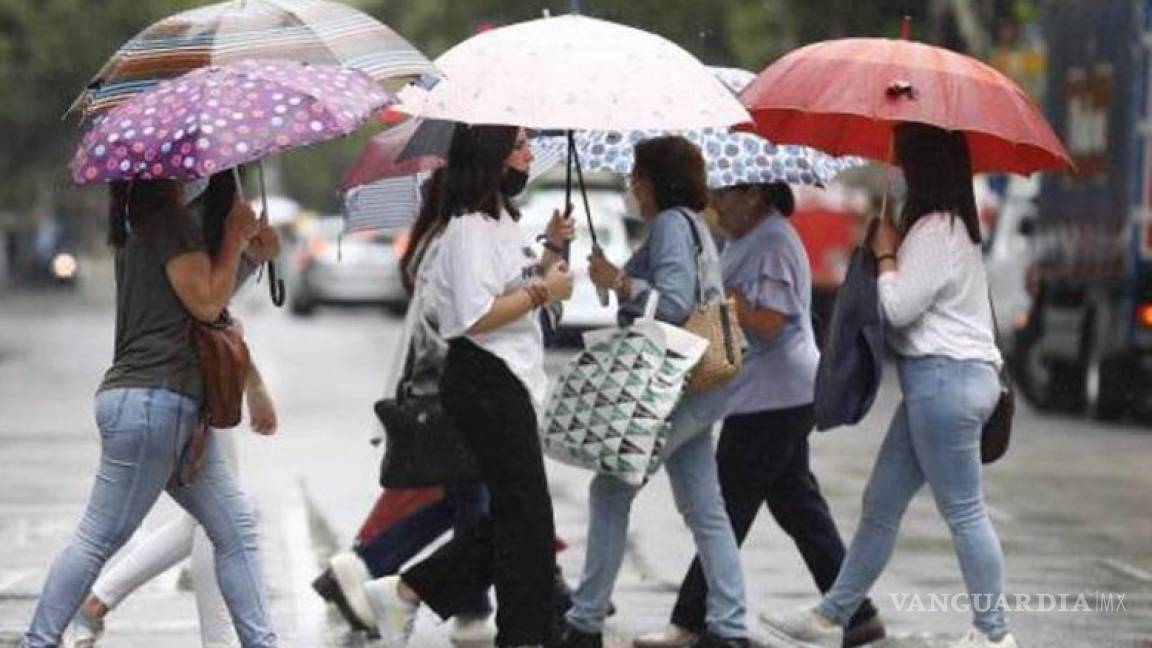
point(1104, 392)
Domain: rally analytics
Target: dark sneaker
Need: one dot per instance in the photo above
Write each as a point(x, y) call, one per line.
point(709, 640)
point(326, 586)
point(865, 632)
point(570, 637)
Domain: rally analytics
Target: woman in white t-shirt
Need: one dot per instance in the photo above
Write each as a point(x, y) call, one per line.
point(934, 294)
point(489, 284)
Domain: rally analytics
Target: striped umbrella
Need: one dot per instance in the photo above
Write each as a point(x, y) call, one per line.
point(313, 31)
point(392, 203)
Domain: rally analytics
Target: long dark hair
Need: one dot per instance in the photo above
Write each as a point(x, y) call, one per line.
point(676, 169)
point(938, 172)
point(215, 204)
point(778, 195)
point(132, 203)
point(476, 168)
point(429, 222)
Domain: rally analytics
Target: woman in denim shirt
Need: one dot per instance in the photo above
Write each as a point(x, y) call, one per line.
point(668, 181)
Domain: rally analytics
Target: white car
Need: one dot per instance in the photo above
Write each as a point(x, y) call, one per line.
point(358, 268)
point(584, 311)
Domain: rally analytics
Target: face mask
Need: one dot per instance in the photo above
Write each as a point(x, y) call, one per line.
point(513, 182)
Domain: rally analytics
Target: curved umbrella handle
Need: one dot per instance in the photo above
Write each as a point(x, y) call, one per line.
point(275, 286)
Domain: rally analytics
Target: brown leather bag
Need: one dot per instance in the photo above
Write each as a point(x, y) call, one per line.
point(224, 365)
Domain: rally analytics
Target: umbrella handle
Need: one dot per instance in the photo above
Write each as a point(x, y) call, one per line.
point(275, 286)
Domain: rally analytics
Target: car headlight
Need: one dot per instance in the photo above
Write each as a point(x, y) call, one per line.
point(64, 266)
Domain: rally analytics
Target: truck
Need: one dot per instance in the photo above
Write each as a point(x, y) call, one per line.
point(1085, 344)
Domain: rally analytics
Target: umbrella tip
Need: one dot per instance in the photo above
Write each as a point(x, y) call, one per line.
point(906, 27)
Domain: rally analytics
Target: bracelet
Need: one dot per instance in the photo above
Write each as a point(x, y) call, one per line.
point(885, 257)
point(548, 245)
point(538, 294)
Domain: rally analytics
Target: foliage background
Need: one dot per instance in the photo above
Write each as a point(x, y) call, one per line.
point(50, 48)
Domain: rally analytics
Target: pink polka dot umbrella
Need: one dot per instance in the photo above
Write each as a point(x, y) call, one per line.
point(220, 117)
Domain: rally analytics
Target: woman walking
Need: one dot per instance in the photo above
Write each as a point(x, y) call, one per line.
point(404, 522)
point(489, 284)
point(183, 536)
point(668, 182)
point(934, 294)
point(763, 453)
point(148, 406)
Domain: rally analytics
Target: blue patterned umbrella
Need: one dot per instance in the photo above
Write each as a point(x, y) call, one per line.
point(732, 158)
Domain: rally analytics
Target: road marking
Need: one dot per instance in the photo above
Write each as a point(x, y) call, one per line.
point(999, 515)
point(14, 578)
point(1125, 569)
point(309, 610)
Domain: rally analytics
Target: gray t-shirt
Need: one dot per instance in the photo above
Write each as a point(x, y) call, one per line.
point(153, 345)
point(770, 267)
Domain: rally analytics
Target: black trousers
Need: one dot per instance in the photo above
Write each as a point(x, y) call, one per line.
point(513, 546)
point(763, 459)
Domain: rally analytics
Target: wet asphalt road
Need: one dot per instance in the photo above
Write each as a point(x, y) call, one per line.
point(1072, 502)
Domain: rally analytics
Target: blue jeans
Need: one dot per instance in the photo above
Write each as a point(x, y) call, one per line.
point(691, 465)
point(934, 437)
point(142, 431)
point(464, 504)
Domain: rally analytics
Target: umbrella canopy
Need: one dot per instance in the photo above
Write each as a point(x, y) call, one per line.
point(845, 96)
point(314, 31)
point(574, 72)
point(217, 118)
point(392, 201)
point(413, 146)
point(731, 158)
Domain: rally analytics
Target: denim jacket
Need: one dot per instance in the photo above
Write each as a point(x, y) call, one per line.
point(666, 261)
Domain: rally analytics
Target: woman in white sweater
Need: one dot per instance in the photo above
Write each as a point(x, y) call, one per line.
point(934, 295)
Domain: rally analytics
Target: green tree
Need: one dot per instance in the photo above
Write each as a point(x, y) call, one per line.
point(49, 49)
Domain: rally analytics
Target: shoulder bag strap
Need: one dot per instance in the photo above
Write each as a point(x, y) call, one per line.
point(996, 336)
point(396, 374)
point(699, 253)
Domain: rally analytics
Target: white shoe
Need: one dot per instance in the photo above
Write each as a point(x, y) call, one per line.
point(977, 639)
point(82, 632)
point(801, 629)
point(395, 617)
point(351, 574)
point(672, 636)
point(473, 631)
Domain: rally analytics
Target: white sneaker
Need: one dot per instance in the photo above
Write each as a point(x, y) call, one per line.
point(977, 639)
point(351, 574)
point(473, 631)
point(801, 629)
point(672, 636)
point(395, 617)
point(82, 632)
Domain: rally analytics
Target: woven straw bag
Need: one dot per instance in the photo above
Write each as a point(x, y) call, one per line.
point(714, 320)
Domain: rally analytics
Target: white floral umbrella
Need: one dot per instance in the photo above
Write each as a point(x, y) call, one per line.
point(574, 73)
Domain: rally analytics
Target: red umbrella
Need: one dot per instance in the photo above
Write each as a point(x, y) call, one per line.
point(844, 97)
point(406, 149)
